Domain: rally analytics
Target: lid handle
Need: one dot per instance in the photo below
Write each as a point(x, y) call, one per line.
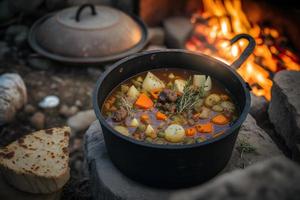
point(82, 7)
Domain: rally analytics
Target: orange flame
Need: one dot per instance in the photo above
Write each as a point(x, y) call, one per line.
point(226, 19)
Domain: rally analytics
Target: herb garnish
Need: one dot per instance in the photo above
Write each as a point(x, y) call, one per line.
point(191, 95)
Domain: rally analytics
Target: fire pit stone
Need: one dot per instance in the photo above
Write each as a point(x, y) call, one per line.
point(177, 31)
point(9, 192)
point(156, 36)
point(253, 145)
point(281, 179)
point(284, 109)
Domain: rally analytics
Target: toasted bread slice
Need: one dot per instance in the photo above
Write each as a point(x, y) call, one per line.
point(38, 162)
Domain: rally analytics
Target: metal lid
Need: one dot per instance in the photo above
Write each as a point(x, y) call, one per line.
point(79, 34)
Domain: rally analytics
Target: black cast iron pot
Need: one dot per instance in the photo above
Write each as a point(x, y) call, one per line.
point(173, 166)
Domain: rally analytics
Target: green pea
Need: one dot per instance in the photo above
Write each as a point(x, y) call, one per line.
point(189, 140)
point(200, 139)
point(149, 139)
point(161, 134)
point(159, 141)
point(141, 127)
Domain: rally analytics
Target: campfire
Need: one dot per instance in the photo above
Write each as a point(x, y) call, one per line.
point(219, 22)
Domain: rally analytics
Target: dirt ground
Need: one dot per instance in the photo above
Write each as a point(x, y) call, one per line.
point(73, 86)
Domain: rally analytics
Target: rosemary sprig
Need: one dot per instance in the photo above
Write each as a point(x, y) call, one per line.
point(191, 95)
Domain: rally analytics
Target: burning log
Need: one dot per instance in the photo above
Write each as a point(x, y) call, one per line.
point(219, 22)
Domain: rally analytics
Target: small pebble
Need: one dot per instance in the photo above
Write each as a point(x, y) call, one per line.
point(77, 144)
point(67, 111)
point(38, 120)
point(49, 102)
point(29, 109)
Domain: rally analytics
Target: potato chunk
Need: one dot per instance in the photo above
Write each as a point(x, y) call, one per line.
point(179, 85)
point(134, 122)
point(199, 80)
point(123, 130)
point(175, 133)
point(208, 84)
point(133, 93)
point(152, 82)
point(212, 100)
point(150, 132)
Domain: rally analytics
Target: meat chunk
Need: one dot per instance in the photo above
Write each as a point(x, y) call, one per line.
point(120, 114)
point(167, 95)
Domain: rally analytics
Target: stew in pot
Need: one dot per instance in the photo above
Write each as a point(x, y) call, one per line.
point(170, 106)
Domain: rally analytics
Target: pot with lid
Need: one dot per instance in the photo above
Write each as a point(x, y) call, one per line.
point(88, 34)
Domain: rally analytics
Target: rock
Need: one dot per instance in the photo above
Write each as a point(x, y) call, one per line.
point(4, 50)
point(273, 179)
point(21, 38)
point(156, 36)
point(67, 111)
point(82, 120)
point(9, 192)
point(76, 145)
point(78, 103)
point(94, 72)
point(40, 63)
point(29, 109)
point(38, 120)
point(177, 30)
point(50, 101)
point(6, 11)
point(107, 182)
point(259, 107)
point(252, 146)
point(25, 7)
point(13, 95)
point(284, 109)
point(54, 4)
point(17, 34)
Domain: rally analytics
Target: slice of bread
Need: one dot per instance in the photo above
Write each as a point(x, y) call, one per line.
point(38, 162)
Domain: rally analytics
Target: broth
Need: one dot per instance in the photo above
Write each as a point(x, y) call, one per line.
point(170, 106)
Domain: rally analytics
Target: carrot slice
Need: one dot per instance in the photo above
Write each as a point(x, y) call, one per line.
point(190, 131)
point(144, 102)
point(204, 128)
point(161, 116)
point(145, 118)
point(155, 92)
point(220, 119)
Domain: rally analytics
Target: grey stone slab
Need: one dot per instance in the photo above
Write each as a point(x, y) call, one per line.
point(107, 182)
point(284, 109)
point(156, 36)
point(274, 179)
point(177, 30)
point(8, 192)
point(253, 145)
point(259, 107)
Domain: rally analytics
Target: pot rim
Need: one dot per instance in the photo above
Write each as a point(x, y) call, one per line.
point(231, 130)
point(88, 60)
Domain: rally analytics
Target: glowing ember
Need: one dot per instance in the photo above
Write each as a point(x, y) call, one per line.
point(219, 22)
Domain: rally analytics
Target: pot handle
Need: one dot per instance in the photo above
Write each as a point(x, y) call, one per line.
point(247, 52)
point(82, 7)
